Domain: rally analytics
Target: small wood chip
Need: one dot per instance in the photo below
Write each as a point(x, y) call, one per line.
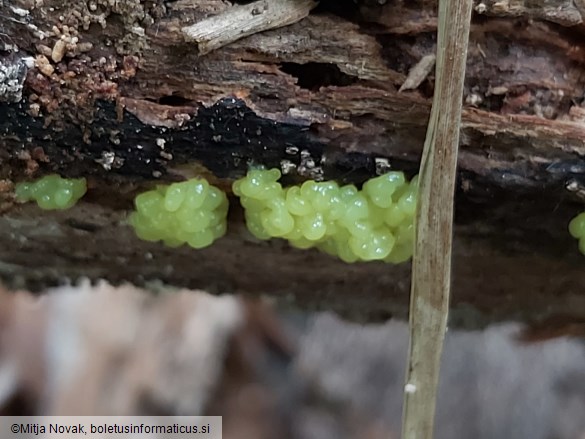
point(419, 72)
point(43, 64)
point(243, 20)
point(58, 51)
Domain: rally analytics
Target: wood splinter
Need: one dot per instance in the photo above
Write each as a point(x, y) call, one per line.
point(419, 72)
point(244, 20)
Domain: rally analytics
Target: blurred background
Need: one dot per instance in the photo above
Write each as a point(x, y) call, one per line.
point(103, 350)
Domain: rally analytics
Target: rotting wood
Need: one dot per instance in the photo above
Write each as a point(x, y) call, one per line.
point(131, 104)
point(241, 21)
point(431, 263)
point(406, 17)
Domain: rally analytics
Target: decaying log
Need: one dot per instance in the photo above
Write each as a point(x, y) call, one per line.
point(114, 92)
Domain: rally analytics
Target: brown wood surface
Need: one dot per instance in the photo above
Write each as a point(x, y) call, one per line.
point(318, 98)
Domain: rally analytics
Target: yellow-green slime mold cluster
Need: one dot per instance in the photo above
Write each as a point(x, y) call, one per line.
point(577, 230)
point(191, 212)
point(375, 223)
point(52, 191)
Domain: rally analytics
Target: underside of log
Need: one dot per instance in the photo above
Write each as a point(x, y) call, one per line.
point(113, 92)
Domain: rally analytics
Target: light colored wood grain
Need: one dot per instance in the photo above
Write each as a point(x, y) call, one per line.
point(241, 21)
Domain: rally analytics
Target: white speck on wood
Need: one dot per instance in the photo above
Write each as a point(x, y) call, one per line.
point(19, 11)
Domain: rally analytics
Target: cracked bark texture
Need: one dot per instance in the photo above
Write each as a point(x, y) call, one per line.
point(112, 91)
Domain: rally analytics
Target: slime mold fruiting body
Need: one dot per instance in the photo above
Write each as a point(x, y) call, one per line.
point(577, 230)
point(191, 212)
point(375, 223)
point(52, 192)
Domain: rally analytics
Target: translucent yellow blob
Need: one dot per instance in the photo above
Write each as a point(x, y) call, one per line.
point(52, 192)
point(577, 230)
point(191, 212)
point(375, 223)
